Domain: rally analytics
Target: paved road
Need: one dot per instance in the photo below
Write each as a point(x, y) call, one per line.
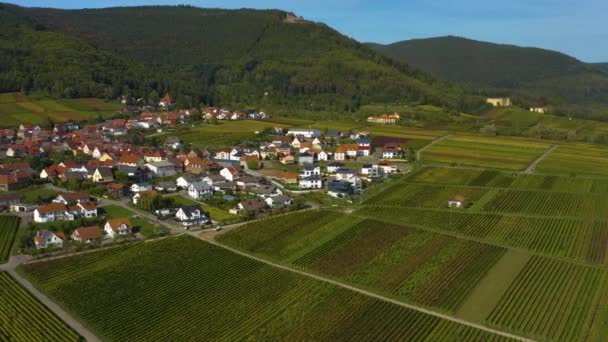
point(533, 165)
point(364, 292)
point(418, 153)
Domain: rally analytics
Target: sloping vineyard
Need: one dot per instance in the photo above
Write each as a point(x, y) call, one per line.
point(8, 230)
point(186, 289)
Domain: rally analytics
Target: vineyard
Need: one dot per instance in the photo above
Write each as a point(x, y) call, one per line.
point(425, 196)
point(493, 153)
point(411, 264)
point(23, 318)
point(182, 288)
point(576, 159)
point(582, 240)
point(554, 300)
point(9, 225)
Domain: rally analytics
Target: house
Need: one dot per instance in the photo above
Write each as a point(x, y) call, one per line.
point(7, 200)
point(370, 172)
point(277, 202)
point(135, 199)
point(139, 187)
point(72, 198)
point(266, 191)
point(309, 170)
point(165, 101)
point(286, 177)
point(252, 206)
point(333, 167)
point(288, 160)
point(222, 154)
point(224, 186)
point(390, 152)
point(311, 182)
point(346, 151)
point(499, 101)
point(214, 179)
point(184, 181)
point(53, 212)
point(191, 215)
point(47, 239)
point(173, 143)
point(103, 175)
point(305, 132)
point(230, 173)
point(161, 168)
point(388, 168)
point(322, 156)
point(306, 158)
point(117, 189)
point(168, 186)
point(541, 110)
point(456, 201)
point(87, 234)
point(364, 147)
point(198, 190)
point(384, 118)
point(348, 175)
point(118, 226)
point(86, 209)
point(340, 188)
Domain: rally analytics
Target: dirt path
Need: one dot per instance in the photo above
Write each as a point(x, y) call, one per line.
point(419, 152)
point(533, 165)
point(366, 293)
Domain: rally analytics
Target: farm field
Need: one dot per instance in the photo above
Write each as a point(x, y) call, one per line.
point(496, 153)
point(576, 159)
point(253, 301)
point(407, 263)
point(16, 108)
point(554, 300)
point(9, 225)
point(24, 318)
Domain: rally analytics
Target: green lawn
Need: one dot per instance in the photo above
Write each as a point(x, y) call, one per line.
point(216, 214)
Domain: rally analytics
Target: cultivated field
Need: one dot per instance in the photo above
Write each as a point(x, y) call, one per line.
point(16, 108)
point(9, 225)
point(23, 318)
point(182, 288)
point(497, 153)
point(576, 159)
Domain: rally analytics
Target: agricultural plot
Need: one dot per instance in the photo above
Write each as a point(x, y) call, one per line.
point(195, 297)
point(414, 265)
point(9, 225)
point(510, 154)
point(498, 179)
point(425, 196)
point(553, 300)
point(557, 204)
point(16, 108)
point(576, 159)
point(576, 239)
point(23, 318)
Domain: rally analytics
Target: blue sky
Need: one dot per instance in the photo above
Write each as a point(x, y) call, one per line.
point(575, 27)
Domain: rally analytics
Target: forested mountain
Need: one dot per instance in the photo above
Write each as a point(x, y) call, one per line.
point(228, 57)
point(603, 66)
point(531, 74)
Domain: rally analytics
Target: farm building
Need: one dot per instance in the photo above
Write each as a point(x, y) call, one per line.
point(456, 201)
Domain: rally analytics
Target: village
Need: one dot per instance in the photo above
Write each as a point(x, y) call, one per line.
point(93, 184)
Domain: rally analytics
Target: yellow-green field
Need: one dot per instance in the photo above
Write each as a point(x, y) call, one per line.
point(16, 108)
point(576, 159)
point(498, 153)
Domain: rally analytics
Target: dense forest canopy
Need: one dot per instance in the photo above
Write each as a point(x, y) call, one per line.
point(228, 57)
point(534, 76)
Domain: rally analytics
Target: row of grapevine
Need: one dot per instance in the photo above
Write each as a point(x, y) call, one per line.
point(23, 318)
point(9, 225)
point(182, 288)
point(424, 195)
point(577, 239)
point(587, 206)
point(497, 179)
point(551, 299)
